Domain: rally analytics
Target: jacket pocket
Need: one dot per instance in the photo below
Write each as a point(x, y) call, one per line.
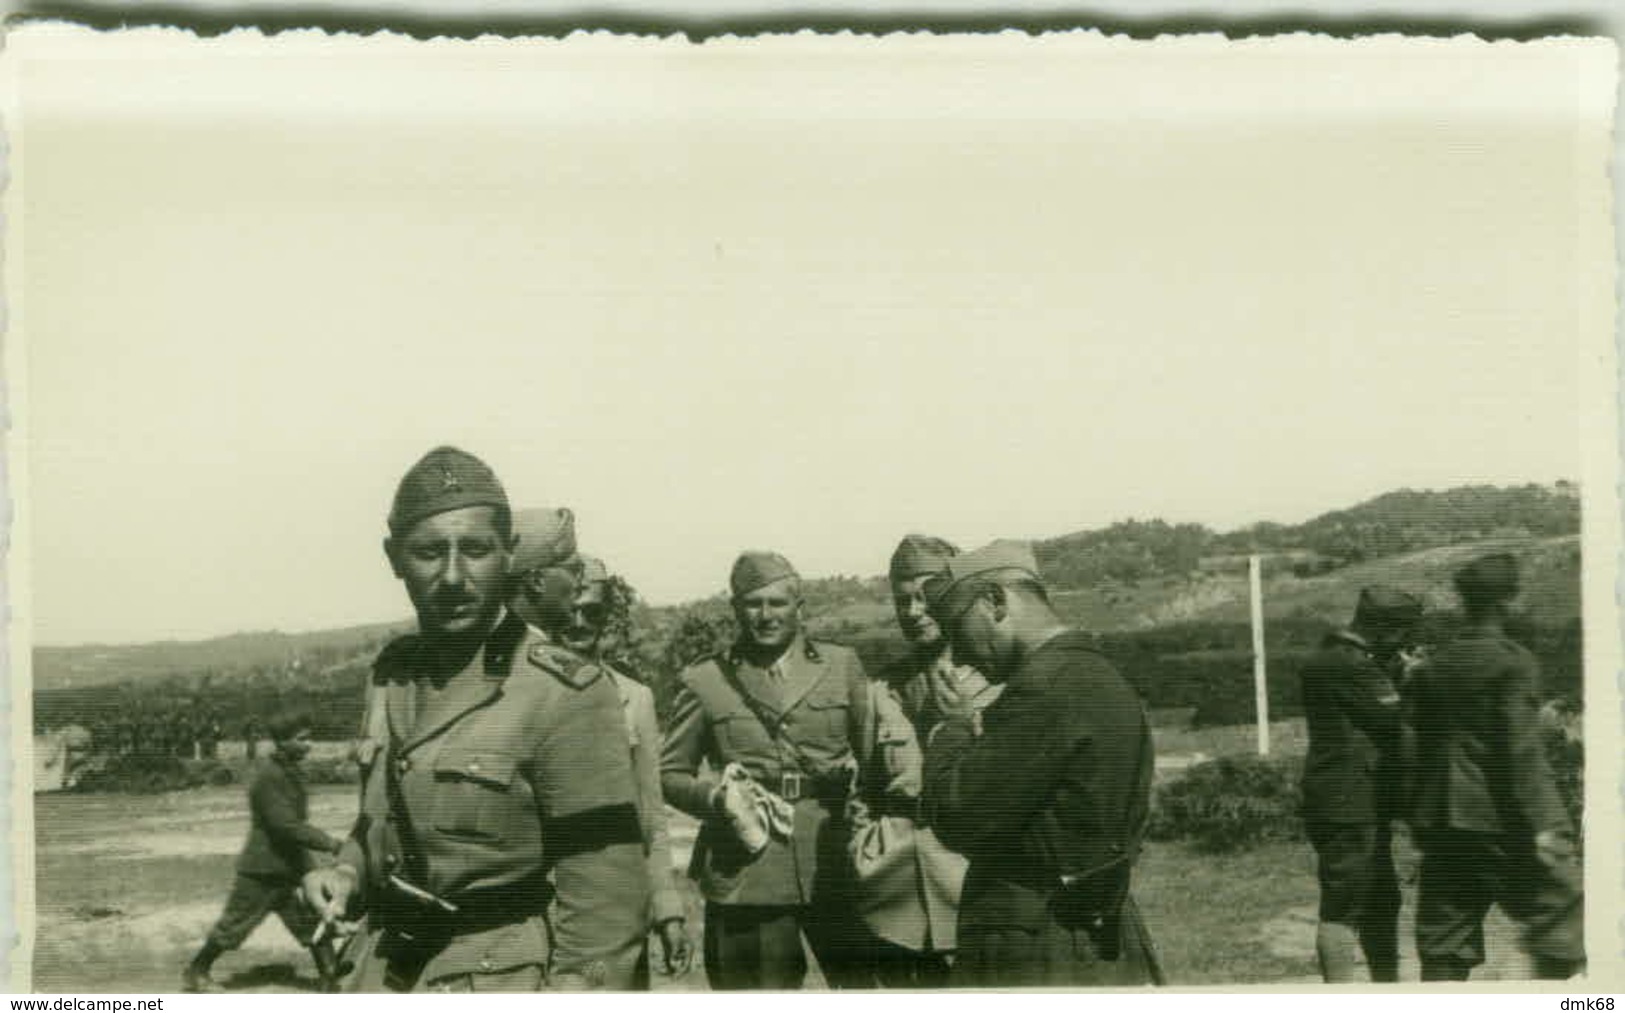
point(472, 789)
point(831, 719)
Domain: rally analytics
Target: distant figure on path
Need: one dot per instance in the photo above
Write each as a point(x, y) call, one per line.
point(1491, 823)
point(282, 845)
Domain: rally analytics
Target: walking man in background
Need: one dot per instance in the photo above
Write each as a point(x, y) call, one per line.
point(1351, 783)
point(548, 595)
point(1047, 791)
point(1491, 823)
point(777, 718)
point(282, 846)
point(498, 843)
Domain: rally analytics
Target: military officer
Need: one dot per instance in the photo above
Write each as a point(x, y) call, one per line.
point(908, 881)
point(776, 716)
point(498, 844)
point(1046, 791)
point(1350, 783)
point(547, 595)
point(1492, 826)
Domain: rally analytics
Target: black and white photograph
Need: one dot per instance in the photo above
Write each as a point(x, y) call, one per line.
point(900, 511)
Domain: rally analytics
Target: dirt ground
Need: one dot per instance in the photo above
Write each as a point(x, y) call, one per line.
point(128, 885)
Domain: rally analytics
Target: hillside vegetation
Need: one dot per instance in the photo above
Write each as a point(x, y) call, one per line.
point(1166, 602)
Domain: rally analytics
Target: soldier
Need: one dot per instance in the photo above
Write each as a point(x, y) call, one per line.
point(1351, 783)
point(777, 717)
point(1046, 791)
point(1491, 824)
point(282, 845)
point(546, 596)
point(908, 882)
point(498, 843)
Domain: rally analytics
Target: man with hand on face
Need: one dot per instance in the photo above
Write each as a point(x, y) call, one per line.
point(562, 594)
point(498, 845)
point(1487, 812)
point(908, 881)
point(1351, 783)
point(1047, 790)
point(777, 717)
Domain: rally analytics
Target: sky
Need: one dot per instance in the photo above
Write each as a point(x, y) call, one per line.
point(808, 294)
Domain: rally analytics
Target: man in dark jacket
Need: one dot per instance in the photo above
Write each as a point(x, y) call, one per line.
point(1046, 791)
point(1351, 783)
point(281, 845)
point(1492, 826)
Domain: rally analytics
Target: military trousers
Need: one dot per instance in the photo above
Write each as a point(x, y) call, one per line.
point(1464, 873)
point(1358, 885)
point(254, 898)
point(753, 946)
point(893, 966)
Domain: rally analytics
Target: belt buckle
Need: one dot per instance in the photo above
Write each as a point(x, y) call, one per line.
point(790, 786)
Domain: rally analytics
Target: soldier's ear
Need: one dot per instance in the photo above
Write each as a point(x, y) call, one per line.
point(394, 560)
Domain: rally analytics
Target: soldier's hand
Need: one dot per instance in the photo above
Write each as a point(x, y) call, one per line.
point(950, 696)
point(328, 891)
point(1554, 848)
point(676, 952)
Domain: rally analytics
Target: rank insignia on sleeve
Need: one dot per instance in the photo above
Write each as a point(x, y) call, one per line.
point(568, 667)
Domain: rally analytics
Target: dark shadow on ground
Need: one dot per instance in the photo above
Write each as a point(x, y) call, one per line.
point(280, 975)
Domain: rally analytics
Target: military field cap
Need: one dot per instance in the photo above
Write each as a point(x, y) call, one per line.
point(918, 555)
point(1386, 608)
point(754, 569)
point(547, 537)
point(593, 570)
point(950, 595)
point(1488, 579)
point(594, 575)
point(444, 479)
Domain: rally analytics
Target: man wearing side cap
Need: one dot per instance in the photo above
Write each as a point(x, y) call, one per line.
point(777, 717)
point(1047, 790)
point(1351, 783)
point(1487, 812)
point(498, 846)
point(555, 590)
point(908, 881)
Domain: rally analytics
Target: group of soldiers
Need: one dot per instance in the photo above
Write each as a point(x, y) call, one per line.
point(1449, 739)
point(971, 816)
point(180, 730)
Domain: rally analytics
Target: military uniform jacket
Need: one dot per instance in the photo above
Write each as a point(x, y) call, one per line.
point(1481, 764)
point(816, 704)
point(281, 838)
point(908, 881)
point(1353, 712)
point(1058, 783)
point(643, 733)
point(514, 778)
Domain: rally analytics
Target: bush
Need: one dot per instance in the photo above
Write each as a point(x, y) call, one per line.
point(149, 775)
point(1230, 803)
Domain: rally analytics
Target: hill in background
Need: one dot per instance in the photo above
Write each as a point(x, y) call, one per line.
point(1168, 600)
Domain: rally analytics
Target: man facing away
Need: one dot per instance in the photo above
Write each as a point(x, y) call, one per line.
point(776, 718)
point(1351, 783)
point(1046, 791)
point(498, 845)
point(1487, 812)
point(561, 593)
point(282, 845)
